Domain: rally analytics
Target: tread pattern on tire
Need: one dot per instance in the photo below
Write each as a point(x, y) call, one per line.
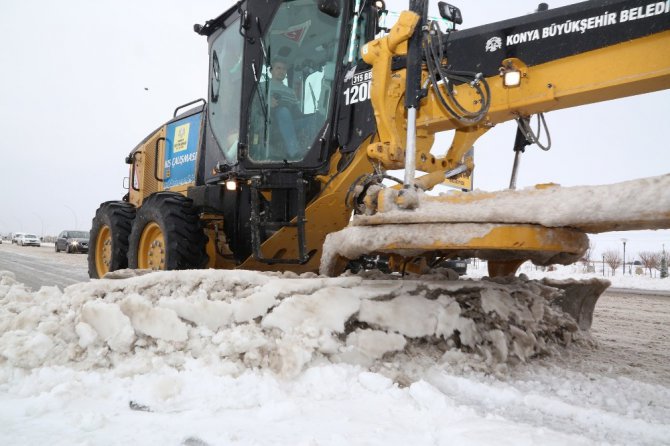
point(118, 216)
point(179, 221)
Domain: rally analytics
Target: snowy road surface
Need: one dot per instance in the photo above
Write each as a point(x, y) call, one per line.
point(218, 357)
point(36, 267)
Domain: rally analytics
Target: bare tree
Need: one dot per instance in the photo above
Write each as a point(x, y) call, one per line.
point(613, 259)
point(650, 260)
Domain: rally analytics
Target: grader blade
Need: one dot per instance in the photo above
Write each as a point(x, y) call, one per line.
point(579, 298)
point(546, 224)
point(492, 242)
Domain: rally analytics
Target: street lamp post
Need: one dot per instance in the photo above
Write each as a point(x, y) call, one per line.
point(74, 214)
point(42, 222)
point(603, 265)
point(624, 255)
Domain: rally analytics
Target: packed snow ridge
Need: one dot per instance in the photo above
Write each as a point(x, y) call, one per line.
point(283, 322)
point(630, 205)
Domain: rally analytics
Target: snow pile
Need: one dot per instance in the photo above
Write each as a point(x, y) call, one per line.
point(282, 322)
point(210, 357)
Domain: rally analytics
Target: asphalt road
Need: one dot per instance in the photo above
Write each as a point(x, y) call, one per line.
point(632, 331)
point(37, 267)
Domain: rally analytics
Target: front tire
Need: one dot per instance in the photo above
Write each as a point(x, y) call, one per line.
point(108, 246)
point(167, 234)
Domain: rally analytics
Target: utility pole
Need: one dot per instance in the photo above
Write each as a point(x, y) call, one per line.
point(624, 255)
point(74, 214)
point(41, 221)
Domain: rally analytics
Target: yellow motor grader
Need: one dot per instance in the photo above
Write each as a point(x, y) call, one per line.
point(311, 103)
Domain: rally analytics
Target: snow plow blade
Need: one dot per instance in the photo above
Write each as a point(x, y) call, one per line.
point(579, 298)
point(546, 224)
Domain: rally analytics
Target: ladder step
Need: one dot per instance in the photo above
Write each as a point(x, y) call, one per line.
point(257, 223)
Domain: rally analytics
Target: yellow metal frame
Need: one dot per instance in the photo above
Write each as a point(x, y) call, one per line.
point(630, 68)
point(634, 67)
point(327, 213)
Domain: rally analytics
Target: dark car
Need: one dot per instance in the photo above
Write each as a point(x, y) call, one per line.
point(72, 241)
point(457, 264)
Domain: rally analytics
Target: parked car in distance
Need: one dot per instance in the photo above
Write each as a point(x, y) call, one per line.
point(72, 241)
point(15, 237)
point(28, 240)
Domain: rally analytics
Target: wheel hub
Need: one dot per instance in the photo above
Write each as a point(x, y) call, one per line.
point(152, 248)
point(103, 251)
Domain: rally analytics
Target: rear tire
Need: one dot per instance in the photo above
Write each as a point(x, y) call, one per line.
point(108, 246)
point(167, 234)
point(56, 246)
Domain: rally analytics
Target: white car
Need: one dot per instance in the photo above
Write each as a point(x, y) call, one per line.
point(28, 240)
point(16, 236)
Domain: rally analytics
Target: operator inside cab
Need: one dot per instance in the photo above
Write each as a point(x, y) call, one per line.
point(285, 110)
point(291, 102)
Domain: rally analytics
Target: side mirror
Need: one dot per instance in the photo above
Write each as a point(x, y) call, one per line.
point(382, 13)
point(380, 5)
point(330, 7)
point(450, 12)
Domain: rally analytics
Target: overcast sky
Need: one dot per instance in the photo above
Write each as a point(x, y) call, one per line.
point(83, 82)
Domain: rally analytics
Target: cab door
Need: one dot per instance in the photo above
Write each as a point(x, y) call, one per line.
point(290, 74)
point(225, 89)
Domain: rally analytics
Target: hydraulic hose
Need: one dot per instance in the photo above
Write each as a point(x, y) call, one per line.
point(435, 55)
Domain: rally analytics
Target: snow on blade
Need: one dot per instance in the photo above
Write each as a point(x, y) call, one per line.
point(412, 239)
point(630, 205)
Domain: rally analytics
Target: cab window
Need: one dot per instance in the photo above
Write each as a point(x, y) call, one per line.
point(293, 93)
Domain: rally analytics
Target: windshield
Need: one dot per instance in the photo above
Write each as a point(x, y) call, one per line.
point(30, 236)
point(78, 234)
point(291, 103)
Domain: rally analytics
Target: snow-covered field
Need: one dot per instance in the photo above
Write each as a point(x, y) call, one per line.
point(576, 271)
point(229, 357)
